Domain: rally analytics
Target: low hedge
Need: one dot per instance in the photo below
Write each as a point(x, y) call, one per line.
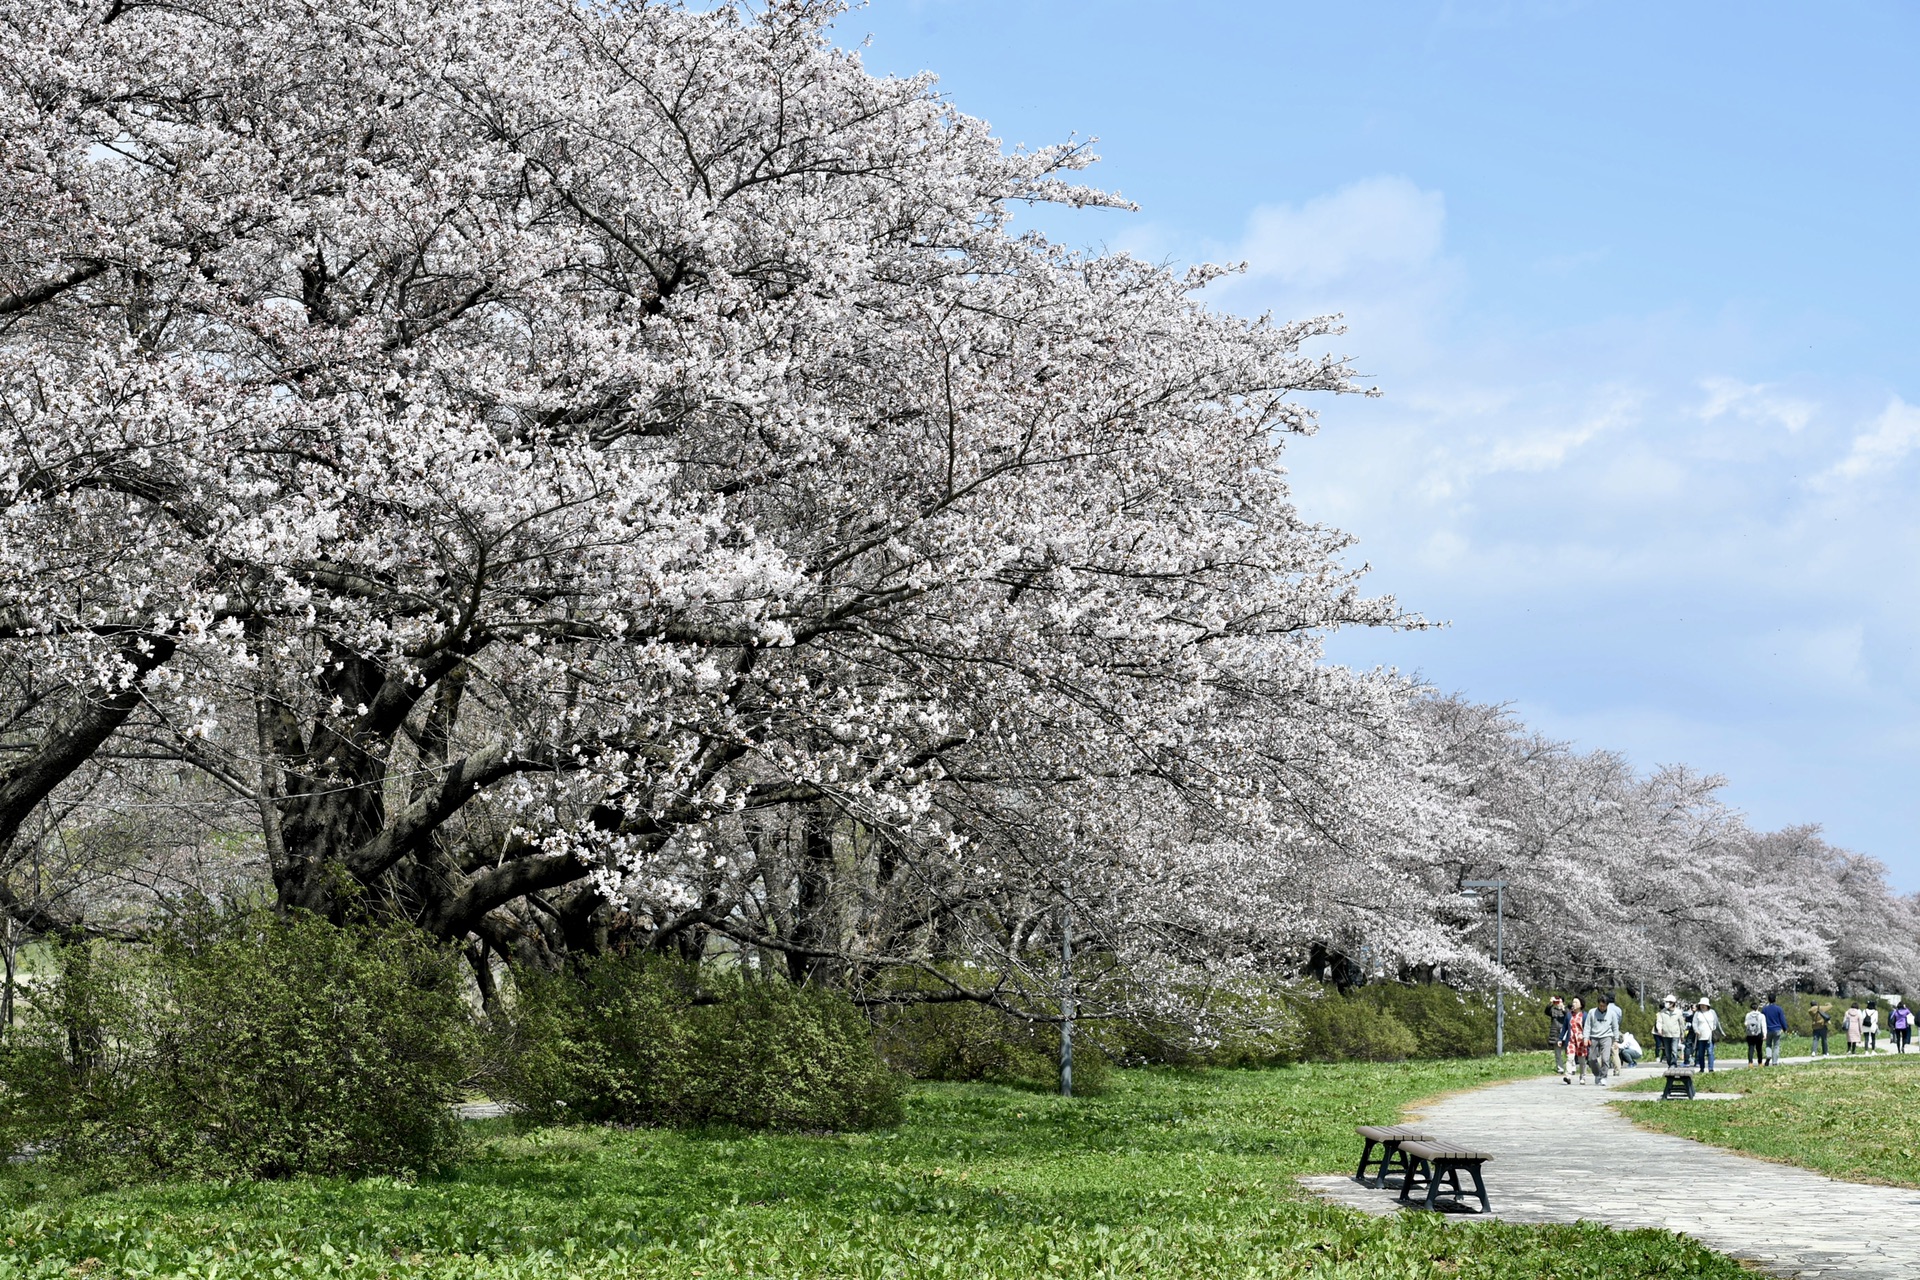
point(241, 1045)
point(648, 1040)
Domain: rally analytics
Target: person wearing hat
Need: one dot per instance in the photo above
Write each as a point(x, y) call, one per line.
point(1706, 1025)
point(1668, 1026)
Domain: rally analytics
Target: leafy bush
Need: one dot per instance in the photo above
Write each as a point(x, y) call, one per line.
point(1335, 1029)
point(241, 1045)
point(963, 1040)
point(1438, 1021)
point(648, 1040)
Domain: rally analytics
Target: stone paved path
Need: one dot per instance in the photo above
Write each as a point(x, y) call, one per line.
point(1789, 1221)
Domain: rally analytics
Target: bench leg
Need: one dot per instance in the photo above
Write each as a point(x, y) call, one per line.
point(1366, 1158)
point(1395, 1156)
point(1417, 1168)
point(1479, 1187)
point(1690, 1093)
point(1434, 1173)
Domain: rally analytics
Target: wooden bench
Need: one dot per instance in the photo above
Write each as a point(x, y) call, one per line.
point(1431, 1163)
point(1679, 1080)
point(1388, 1138)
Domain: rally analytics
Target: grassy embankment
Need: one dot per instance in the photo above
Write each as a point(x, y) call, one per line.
point(1169, 1174)
point(1856, 1119)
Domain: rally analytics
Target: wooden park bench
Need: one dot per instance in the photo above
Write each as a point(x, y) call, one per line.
point(1388, 1138)
point(1679, 1081)
point(1432, 1163)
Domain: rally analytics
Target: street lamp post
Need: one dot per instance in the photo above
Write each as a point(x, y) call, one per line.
point(1471, 889)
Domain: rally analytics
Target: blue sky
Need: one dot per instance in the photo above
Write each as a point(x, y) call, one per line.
point(1640, 286)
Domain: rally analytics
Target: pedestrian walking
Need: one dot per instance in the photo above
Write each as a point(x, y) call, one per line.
point(1870, 1026)
point(1901, 1020)
point(1755, 1025)
point(1603, 1035)
point(1668, 1025)
point(1852, 1022)
point(1576, 1043)
point(1776, 1027)
point(1706, 1025)
point(1557, 1020)
point(1821, 1017)
point(1687, 1048)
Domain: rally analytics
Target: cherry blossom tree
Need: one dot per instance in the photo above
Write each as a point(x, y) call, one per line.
point(575, 476)
point(1621, 877)
point(576, 470)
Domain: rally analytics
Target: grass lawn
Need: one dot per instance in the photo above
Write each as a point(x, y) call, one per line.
point(1170, 1174)
point(1858, 1119)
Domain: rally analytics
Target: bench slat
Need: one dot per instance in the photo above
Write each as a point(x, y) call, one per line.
point(1442, 1151)
point(1391, 1132)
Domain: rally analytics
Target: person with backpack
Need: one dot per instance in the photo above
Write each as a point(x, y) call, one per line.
point(1755, 1025)
point(1870, 1026)
point(1901, 1020)
point(1706, 1025)
point(1776, 1027)
point(1821, 1018)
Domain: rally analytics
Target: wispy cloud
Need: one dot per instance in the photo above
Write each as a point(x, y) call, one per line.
point(1883, 446)
point(1755, 402)
point(1379, 224)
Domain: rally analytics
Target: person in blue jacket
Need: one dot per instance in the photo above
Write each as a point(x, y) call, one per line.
point(1776, 1027)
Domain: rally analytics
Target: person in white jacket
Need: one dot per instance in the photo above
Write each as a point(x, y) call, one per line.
point(1668, 1026)
point(1706, 1026)
point(1756, 1028)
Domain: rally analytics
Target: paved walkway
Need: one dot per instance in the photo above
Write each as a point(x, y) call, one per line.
point(1601, 1167)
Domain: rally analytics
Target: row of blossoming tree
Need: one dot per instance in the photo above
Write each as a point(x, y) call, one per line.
point(604, 475)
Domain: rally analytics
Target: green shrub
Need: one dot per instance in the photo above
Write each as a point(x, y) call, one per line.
point(241, 1045)
point(648, 1040)
point(965, 1040)
point(1337, 1029)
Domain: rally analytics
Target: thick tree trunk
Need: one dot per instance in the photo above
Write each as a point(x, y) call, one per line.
point(480, 957)
point(816, 923)
point(9, 959)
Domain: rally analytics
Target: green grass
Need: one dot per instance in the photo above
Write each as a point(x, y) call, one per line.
point(1858, 1120)
point(1170, 1174)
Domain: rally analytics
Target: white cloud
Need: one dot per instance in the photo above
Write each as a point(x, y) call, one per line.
point(1890, 438)
point(1544, 451)
point(1755, 402)
point(1381, 222)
